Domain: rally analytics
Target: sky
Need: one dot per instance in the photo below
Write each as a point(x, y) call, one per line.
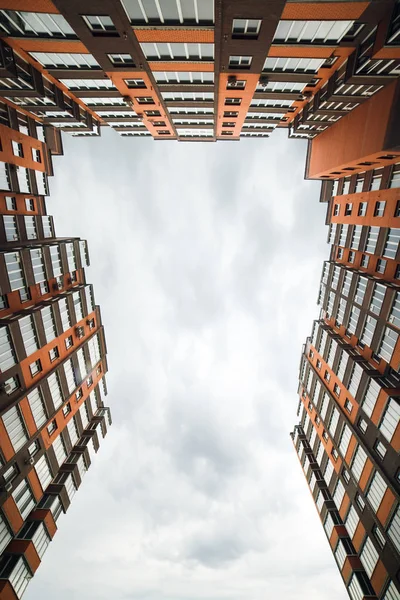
point(206, 260)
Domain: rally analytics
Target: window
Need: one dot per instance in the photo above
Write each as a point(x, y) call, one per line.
point(173, 51)
point(348, 405)
point(99, 24)
point(353, 320)
point(292, 65)
point(145, 100)
point(35, 368)
point(233, 100)
point(369, 556)
point(348, 209)
point(360, 290)
point(352, 256)
point(51, 428)
point(43, 471)
point(328, 472)
point(379, 209)
point(55, 390)
point(362, 209)
point(336, 210)
point(391, 591)
point(345, 439)
point(59, 450)
point(380, 266)
point(338, 494)
point(370, 397)
point(376, 491)
point(368, 331)
point(380, 449)
point(70, 375)
point(364, 261)
point(54, 353)
point(358, 462)
point(392, 243)
point(355, 238)
point(39, 273)
point(64, 314)
point(336, 389)
point(11, 203)
point(15, 427)
point(48, 323)
point(248, 28)
point(84, 415)
point(352, 521)
point(24, 498)
point(372, 238)
point(388, 344)
point(240, 61)
point(7, 356)
point(63, 60)
point(390, 419)
point(37, 407)
point(122, 60)
point(394, 529)
point(363, 425)
point(317, 32)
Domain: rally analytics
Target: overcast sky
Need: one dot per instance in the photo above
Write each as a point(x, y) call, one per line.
point(206, 260)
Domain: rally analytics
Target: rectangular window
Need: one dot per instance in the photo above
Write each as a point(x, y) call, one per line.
point(10, 228)
point(353, 320)
point(394, 316)
point(24, 498)
point(358, 462)
point(369, 556)
point(73, 432)
point(394, 529)
point(379, 210)
point(243, 62)
point(15, 427)
point(368, 331)
point(84, 415)
point(69, 247)
point(70, 375)
point(392, 243)
point(64, 313)
point(64, 60)
point(35, 368)
point(355, 238)
point(372, 238)
point(328, 472)
point(7, 355)
point(59, 450)
point(55, 390)
point(345, 440)
point(352, 521)
point(248, 28)
point(14, 270)
point(39, 273)
point(328, 525)
point(360, 290)
point(377, 298)
point(48, 323)
point(370, 397)
point(355, 379)
point(376, 491)
point(76, 297)
point(43, 471)
point(338, 494)
point(47, 227)
point(28, 333)
point(292, 65)
point(30, 226)
point(388, 343)
point(55, 260)
point(390, 419)
point(37, 407)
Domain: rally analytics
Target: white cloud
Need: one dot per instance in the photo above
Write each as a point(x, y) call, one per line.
point(206, 262)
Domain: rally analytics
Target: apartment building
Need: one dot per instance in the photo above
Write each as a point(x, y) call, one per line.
point(348, 434)
point(52, 356)
point(196, 70)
